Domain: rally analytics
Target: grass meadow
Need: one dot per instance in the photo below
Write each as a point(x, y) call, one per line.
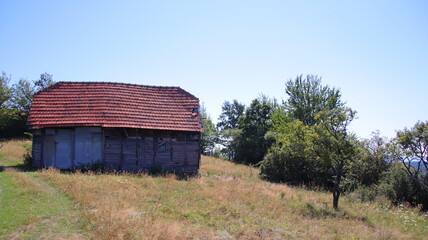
point(227, 201)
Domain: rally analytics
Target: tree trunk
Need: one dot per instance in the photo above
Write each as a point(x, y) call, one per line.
point(336, 191)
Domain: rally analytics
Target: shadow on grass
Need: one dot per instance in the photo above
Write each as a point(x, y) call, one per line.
point(309, 210)
point(21, 167)
point(99, 170)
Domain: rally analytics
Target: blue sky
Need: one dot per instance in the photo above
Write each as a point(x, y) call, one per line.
point(375, 52)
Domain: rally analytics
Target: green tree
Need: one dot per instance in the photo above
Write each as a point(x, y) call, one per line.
point(410, 147)
point(5, 90)
point(23, 93)
point(254, 125)
point(228, 126)
point(230, 138)
point(209, 136)
point(15, 102)
point(372, 161)
point(307, 96)
point(335, 145)
point(312, 127)
point(292, 159)
point(45, 81)
point(230, 114)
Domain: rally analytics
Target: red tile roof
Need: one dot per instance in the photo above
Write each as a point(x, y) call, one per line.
point(72, 104)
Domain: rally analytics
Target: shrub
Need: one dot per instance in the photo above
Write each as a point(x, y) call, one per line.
point(399, 187)
point(156, 170)
point(280, 166)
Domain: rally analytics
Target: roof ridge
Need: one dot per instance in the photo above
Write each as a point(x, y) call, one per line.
point(118, 83)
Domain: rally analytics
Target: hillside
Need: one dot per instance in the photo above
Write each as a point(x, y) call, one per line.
point(227, 201)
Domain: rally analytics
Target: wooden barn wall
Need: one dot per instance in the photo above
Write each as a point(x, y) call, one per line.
point(137, 149)
point(117, 148)
point(66, 148)
point(37, 149)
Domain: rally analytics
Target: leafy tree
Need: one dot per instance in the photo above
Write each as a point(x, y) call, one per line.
point(5, 91)
point(400, 187)
point(410, 147)
point(335, 145)
point(209, 136)
point(229, 117)
point(15, 103)
point(312, 127)
point(44, 81)
point(228, 126)
point(254, 125)
point(23, 93)
point(230, 138)
point(292, 159)
point(372, 160)
point(306, 97)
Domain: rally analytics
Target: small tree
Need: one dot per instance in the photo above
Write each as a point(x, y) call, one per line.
point(334, 144)
point(411, 148)
point(372, 161)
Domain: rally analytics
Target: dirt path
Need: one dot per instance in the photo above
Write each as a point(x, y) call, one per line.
point(33, 209)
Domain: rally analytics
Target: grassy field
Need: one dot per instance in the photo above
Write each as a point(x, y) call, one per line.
point(227, 201)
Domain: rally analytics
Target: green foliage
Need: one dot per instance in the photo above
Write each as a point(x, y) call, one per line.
point(398, 186)
point(283, 166)
point(209, 136)
point(228, 127)
point(306, 97)
point(334, 145)
point(312, 135)
point(372, 161)
point(15, 103)
point(23, 93)
point(44, 81)
point(230, 140)
point(411, 146)
point(254, 125)
point(5, 91)
point(10, 124)
point(230, 114)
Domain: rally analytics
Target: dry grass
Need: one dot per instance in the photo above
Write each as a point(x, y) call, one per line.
point(12, 151)
point(227, 201)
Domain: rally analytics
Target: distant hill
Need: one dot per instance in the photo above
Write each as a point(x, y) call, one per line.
point(415, 165)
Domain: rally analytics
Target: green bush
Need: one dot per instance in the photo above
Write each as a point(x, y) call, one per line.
point(399, 187)
point(280, 166)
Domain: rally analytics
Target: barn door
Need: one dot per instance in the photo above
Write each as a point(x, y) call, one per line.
point(49, 149)
point(63, 149)
point(88, 146)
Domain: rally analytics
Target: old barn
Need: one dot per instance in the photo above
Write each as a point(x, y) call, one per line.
point(115, 125)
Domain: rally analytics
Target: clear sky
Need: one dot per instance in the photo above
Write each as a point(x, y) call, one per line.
point(375, 52)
